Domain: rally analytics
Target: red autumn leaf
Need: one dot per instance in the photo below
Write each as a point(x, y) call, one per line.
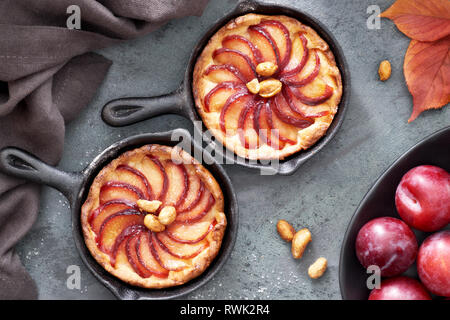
point(427, 72)
point(423, 20)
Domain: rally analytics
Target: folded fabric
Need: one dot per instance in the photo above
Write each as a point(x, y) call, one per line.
point(47, 76)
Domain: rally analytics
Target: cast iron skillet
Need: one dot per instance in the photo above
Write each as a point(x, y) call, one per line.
point(125, 111)
point(75, 186)
point(379, 202)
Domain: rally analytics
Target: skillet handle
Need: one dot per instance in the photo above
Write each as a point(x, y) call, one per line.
point(126, 111)
point(21, 164)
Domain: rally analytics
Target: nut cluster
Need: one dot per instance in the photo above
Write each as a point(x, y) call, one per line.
point(156, 223)
point(300, 240)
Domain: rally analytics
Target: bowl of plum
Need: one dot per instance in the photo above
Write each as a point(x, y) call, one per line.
point(397, 245)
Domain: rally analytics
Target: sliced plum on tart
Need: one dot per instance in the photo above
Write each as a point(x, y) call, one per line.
point(271, 73)
point(123, 223)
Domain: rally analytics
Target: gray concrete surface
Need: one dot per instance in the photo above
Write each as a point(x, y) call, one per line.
point(322, 195)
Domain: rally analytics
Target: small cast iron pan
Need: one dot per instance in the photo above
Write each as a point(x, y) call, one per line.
point(379, 202)
point(75, 186)
point(125, 111)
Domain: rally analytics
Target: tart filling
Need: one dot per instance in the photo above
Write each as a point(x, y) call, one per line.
point(154, 217)
point(267, 86)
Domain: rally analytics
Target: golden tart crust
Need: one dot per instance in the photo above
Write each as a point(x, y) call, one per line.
point(195, 218)
point(320, 89)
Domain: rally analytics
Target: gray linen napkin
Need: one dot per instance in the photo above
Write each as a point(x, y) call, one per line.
point(47, 75)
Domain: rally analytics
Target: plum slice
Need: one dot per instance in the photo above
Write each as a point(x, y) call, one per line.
point(265, 43)
point(250, 135)
point(296, 106)
point(299, 57)
point(153, 169)
point(284, 112)
point(218, 95)
point(224, 73)
point(132, 254)
point(119, 255)
point(181, 250)
point(134, 177)
point(204, 205)
point(243, 45)
point(247, 133)
point(146, 256)
point(114, 225)
point(107, 209)
point(299, 83)
point(285, 132)
point(229, 116)
point(281, 38)
point(178, 183)
point(313, 101)
point(237, 59)
point(165, 259)
point(194, 232)
point(120, 243)
point(119, 190)
point(194, 193)
point(262, 126)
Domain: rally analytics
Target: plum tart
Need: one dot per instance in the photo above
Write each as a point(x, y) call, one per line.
point(154, 217)
point(267, 86)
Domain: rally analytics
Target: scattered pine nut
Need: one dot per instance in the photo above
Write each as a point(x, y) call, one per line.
point(285, 230)
point(318, 268)
point(299, 242)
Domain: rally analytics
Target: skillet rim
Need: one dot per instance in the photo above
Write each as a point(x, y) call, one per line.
point(292, 163)
point(119, 288)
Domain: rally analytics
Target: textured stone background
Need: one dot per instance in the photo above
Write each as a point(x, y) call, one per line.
point(322, 195)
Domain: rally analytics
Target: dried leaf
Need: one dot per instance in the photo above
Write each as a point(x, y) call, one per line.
point(423, 20)
point(427, 72)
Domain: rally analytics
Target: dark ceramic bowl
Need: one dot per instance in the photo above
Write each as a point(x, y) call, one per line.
point(379, 202)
